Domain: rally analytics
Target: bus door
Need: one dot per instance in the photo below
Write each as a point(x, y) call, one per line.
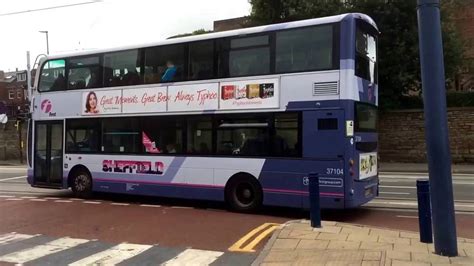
point(324, 134)
point(48, 153)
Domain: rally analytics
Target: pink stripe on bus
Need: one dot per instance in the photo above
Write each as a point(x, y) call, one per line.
point(302, 192)
point(157, 183)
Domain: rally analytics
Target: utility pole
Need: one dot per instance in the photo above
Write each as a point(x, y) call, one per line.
point(436, 127)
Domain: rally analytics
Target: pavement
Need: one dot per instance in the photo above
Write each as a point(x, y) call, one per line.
point(297, 243)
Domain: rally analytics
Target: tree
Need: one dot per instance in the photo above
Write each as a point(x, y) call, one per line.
point(196, 32)
point(399, 62)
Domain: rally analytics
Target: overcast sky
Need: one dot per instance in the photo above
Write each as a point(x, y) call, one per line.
point(106, 23)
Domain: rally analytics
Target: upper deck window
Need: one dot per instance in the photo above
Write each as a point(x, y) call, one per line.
point(304, 49)
point(53, 76)
point(245, 56)
point(201, 60)
point(84, 73)
point(164, 63)
point(366, 51)
point(122, 68)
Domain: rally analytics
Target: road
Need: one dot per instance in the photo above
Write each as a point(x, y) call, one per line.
point(53, 227)
point(398, 190)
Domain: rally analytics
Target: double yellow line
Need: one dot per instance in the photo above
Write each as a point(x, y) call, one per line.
point(257, 234)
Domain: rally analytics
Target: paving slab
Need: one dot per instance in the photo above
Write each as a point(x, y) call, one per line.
point(296, 243)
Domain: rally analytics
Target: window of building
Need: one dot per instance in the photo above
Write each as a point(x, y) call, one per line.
point(21, 77)
point(164, 63)
point(199, 135)
point(82, 135)
point(201, 60)
point(11, 94)
point(165, 133)
point(52, 76)
point(84, 73)
point(366, 52)
point(19, 94)
point(122, 68)
point(243, 135)
point(304, 49)
point(121, 135)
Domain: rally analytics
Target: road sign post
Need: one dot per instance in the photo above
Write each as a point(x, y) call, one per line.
point(315, 206)
point(424, 210)
point(436, 127)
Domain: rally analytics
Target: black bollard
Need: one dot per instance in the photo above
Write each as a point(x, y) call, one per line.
point(424, 210)
point(315, 206)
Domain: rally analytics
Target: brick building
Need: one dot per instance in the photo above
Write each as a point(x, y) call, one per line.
point(13, 93)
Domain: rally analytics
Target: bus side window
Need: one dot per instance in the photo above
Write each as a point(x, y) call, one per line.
point(83, 72)
point(53, 76)
point(159, 59)
point(201, 60)
point(122, 68)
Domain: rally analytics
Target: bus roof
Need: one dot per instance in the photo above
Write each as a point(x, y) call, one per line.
point(222, 34)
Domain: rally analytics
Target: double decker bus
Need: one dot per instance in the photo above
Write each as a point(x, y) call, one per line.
point(241, 116)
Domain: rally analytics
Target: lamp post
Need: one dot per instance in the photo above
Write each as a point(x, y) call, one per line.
point(47, 40)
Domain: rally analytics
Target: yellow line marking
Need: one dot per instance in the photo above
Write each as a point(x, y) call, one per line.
point(254, 243)
point(237, 245)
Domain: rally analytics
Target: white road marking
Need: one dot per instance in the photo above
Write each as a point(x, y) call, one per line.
point(39, 251)
point(404, 187)
point(151, 206)
point(395, 193)
point(38, 200)
point(406, 216)
point(63, 201)
point(13, 170)
point(412, 203)
point(12, 178)
point(28, 197)
point(180, 207)
point(52, 198)
point(11, 237)
point(113, 255)
point(16, 199)
point(119, 204)
point(194, 257)
point(6, 196)
point(398, 180)
point(418, 174)
point(92, 202)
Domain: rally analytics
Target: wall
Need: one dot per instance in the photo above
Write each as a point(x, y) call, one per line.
point(9, 144)
point(402, 135)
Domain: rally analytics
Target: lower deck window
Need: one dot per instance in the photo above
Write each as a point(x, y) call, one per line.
point(272, 135)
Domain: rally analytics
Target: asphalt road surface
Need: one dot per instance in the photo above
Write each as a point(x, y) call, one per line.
point(43, 226)
point(398, 190)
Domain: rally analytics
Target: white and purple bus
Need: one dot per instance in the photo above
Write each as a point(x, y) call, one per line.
point(241, 116)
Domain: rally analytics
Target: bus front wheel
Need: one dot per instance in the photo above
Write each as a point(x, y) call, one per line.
point(244, 194)
point(82, 184)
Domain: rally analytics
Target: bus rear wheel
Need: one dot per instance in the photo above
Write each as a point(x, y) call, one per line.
point(81, 184)
point(244, 194)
